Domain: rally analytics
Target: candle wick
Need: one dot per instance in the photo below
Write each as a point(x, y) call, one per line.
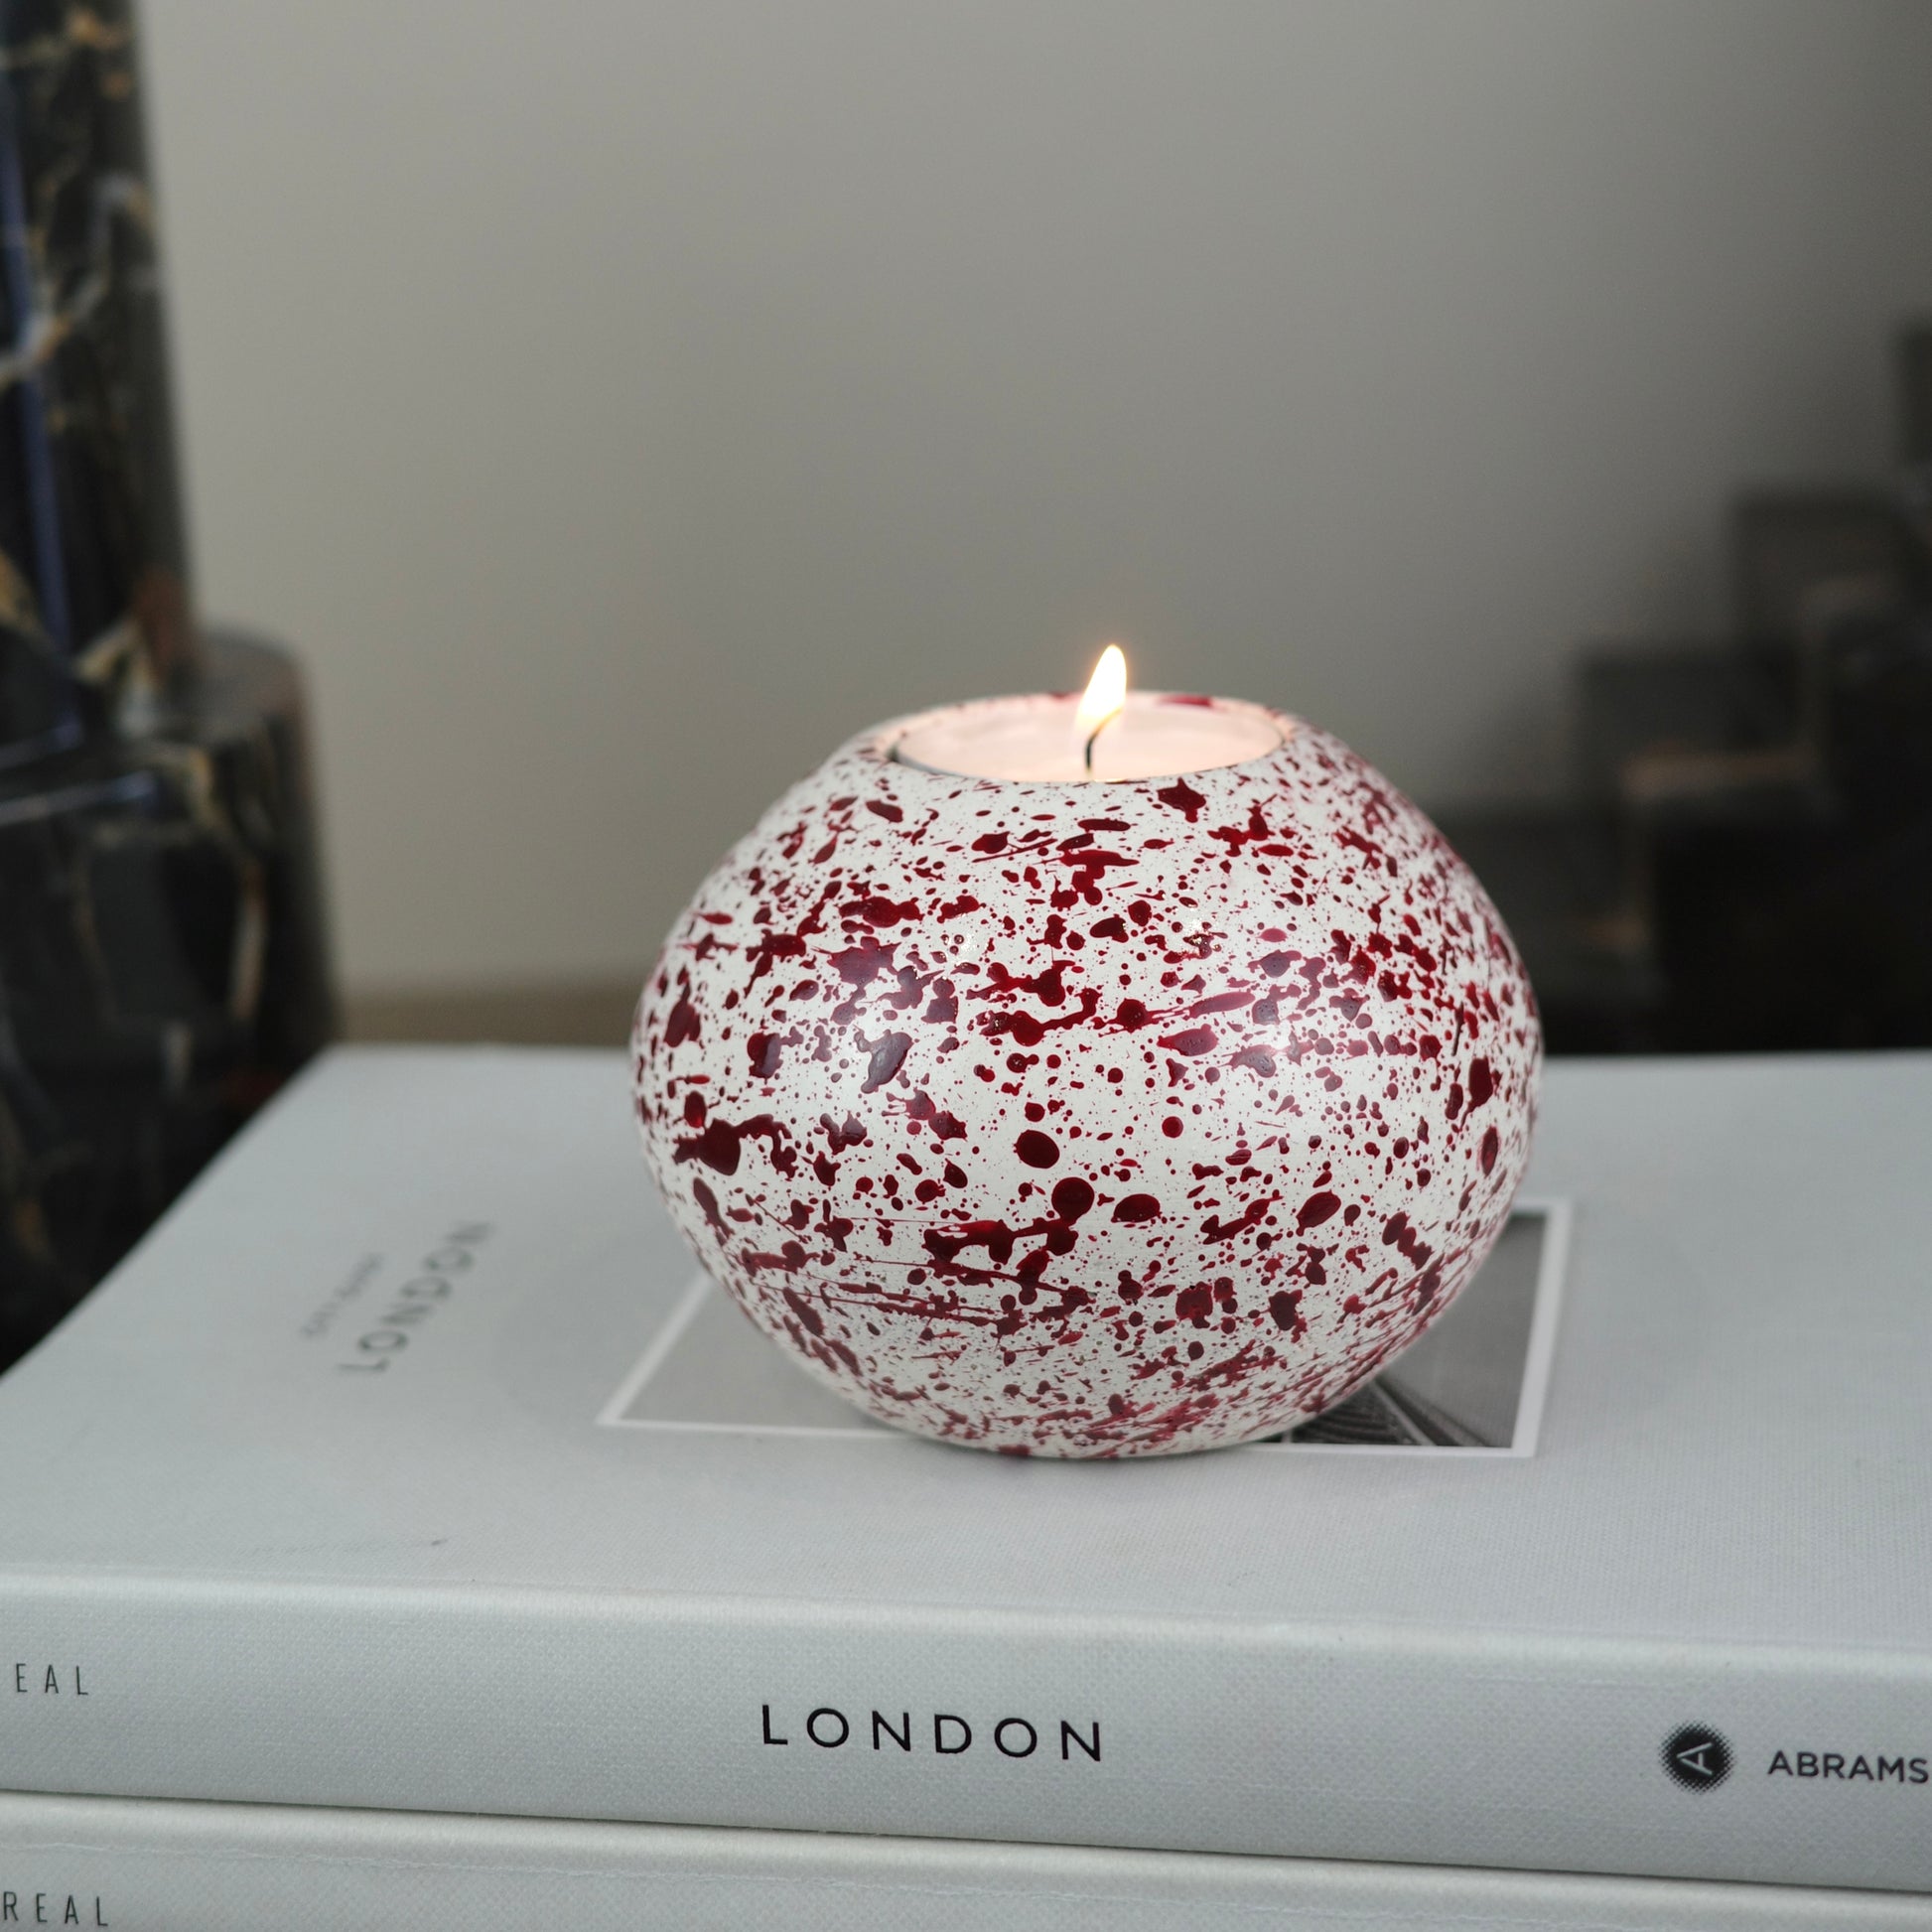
point(1094, 739)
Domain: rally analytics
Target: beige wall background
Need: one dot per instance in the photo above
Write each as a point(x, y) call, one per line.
point(619, 403)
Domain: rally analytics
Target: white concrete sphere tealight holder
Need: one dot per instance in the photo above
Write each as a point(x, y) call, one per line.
point(1090, 1116)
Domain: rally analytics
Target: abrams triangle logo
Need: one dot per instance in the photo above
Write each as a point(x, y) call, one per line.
point(1697, 1757)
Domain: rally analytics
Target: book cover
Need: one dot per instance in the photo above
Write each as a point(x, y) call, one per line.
point(405, 1465)
point(121, 1864)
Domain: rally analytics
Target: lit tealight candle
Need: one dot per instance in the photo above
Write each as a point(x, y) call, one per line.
point(1108, 734)
point(1090, 1076)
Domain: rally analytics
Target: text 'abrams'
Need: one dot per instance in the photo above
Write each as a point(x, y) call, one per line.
point(942, 1733)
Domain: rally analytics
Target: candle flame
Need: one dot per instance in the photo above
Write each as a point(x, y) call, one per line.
point(1106, 695)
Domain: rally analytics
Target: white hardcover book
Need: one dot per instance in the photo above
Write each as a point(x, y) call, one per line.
point(405, 1465)
point(141, 1864)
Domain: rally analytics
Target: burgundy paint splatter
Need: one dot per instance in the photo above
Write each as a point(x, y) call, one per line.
point(1090, 1120)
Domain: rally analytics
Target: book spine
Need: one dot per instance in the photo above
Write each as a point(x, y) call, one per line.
point(149, 1865)
point(1174, 1735)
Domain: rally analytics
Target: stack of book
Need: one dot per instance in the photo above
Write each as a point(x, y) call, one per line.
point(406, 1536)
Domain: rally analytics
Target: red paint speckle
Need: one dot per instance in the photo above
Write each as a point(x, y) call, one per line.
point(1285, 1311)
point(887, 1057)
point(1196, 1039)
point(1316, 1209)
point(1183, 797)
point(1071, 1197)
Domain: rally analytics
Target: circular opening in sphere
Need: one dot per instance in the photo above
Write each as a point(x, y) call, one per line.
point(1038, 740)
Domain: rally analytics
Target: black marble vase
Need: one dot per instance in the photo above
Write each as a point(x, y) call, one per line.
point(163, 964)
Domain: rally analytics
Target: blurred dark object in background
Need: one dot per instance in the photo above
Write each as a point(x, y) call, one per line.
point(1747, 863)
point(163, 964)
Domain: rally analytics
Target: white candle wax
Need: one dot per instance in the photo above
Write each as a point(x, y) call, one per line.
point(1157, 735)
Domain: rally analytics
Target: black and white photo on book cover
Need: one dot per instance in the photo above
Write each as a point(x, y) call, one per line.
point(1473, 1382)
